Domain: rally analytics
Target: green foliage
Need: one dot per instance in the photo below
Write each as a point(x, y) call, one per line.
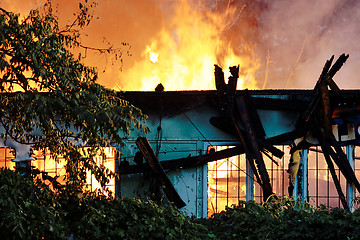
point(133, 219)
point(284, 218)
point(28, 210)
point(31, 210)
point(57, 100)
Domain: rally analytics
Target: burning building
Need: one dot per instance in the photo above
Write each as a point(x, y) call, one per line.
point(208, 149)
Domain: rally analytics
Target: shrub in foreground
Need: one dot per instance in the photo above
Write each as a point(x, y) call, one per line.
point(284, 218)
point(31, 210)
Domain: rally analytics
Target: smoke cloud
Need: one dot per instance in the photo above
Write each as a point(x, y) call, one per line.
point(300, 36)
point(296, 37)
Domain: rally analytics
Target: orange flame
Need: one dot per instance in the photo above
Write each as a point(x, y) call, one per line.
point(182, 55)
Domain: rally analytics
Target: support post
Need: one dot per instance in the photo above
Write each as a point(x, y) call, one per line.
point(249, 181)
point(350, 188)
point(304, 162)
point(301, 180)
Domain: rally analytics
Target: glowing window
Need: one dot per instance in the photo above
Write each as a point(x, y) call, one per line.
point(44, 162)
point(6, 154)
point(279, 177)
point(227, 180)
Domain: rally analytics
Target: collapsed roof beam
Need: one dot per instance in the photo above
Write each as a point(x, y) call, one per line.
point(317, 118)
point(253, 145)
point(183, 163)
point(155, 166)
point(247, 117)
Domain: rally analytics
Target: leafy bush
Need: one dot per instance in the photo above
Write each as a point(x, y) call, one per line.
point(30, 210)
point(284, 218)
point(132, 218)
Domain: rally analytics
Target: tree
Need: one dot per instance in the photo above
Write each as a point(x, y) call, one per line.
point(50, 98)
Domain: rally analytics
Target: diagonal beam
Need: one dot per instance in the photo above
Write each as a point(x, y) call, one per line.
point(254, 149)
point(183, 163)
point(335, 178)
point(337, 155)
point(155, 166)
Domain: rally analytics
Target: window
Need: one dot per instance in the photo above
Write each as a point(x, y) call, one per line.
point(6, 154)
point(109, 162)
point(321, 186)
point(279, 177)
point(45, 162)
point(227, 180)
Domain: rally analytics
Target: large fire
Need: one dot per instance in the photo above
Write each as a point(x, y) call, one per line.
point(182, 55)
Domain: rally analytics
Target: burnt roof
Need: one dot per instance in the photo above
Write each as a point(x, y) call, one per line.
point(173, 102)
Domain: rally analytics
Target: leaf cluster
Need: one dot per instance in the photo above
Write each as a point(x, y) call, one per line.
point(284, 218)
point(50, 99)
point(30, 210)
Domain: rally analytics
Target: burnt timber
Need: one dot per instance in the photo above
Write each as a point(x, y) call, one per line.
point(321, 104)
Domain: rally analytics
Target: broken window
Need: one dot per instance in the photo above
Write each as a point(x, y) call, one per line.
point(44, 162)
point(6, 154)
point(278, 174)
point(226, 182)
point(320, 182)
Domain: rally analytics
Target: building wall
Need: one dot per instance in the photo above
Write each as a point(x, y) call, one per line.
point(190, 133)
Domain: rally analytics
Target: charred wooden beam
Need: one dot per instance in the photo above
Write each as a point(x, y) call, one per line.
point(315, 98)
point(254, 149)
point(232, 83)
point(339, 156)
point(249, 155)
point(219, 80)
point(183, 163)
point(325, 80)
point(258, 127)
point(230, 93)
point(326, 111)
point(334, 87)
point(336, 67)
point(335, 178)
point(270, 148)
point(155, 166)
point(253, 115)
point(270, 157)
point(226, 92)
point(286, 137)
